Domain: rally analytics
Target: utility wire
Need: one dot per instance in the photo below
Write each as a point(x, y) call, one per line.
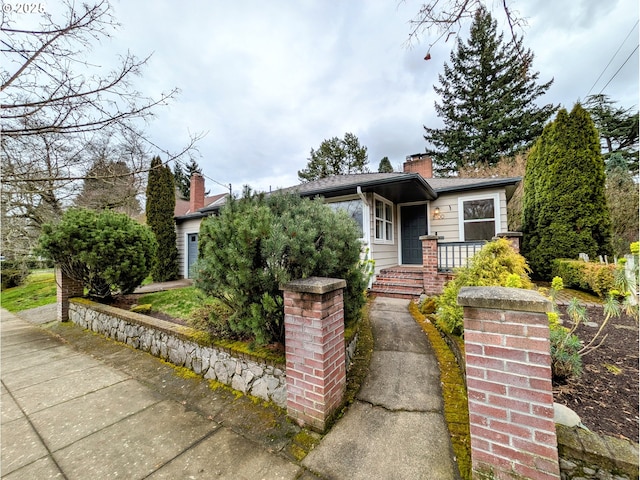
point(617, 71)
point(611, 60)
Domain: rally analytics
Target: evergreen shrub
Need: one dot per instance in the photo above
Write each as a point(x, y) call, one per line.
point(106, 251)
point(259, 243)
point(588, 276)
point(495, 265)
point(13, 273)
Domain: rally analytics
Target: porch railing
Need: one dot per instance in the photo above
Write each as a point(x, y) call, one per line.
point(456, 254)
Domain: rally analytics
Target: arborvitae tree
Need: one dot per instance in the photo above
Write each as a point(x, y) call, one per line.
point(564, 208)
point(336, 157)
point(385, 166)
point(623, 202)
point(161, 202)
point(488, 101)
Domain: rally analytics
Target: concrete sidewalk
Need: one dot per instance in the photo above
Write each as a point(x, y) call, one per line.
point(396, 427)
point(120, 413)
point(76, 405)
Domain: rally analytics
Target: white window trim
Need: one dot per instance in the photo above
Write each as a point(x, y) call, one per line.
point(384, 241)
point(365, 213)
point(487, 196)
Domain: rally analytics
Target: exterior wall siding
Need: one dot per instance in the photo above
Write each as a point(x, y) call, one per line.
point(449, 226)
point(182, 230)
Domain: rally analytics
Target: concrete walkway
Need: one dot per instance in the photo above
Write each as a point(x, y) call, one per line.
point(396, 427)
point(76, 405)
point(121, 413)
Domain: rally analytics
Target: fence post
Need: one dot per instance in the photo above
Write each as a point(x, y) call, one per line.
point(314, 348)
point(66, 288)
point(508, 366)
point(514, 239)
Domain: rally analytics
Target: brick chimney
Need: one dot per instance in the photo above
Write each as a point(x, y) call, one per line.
point(196, 197)
point(419, 163)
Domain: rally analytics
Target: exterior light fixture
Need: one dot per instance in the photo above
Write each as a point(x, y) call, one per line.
point(437, 215)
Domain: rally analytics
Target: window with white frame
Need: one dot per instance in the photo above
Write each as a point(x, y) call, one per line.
point(384, 221)
point(354, 209)
point(480, 218)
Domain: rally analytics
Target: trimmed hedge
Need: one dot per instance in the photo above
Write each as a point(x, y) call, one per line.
point(589, 276)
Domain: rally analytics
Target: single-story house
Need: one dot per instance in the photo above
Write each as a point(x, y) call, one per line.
point(397, 213)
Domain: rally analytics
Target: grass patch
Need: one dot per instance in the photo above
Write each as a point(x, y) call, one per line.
point(178, 302)
point(454, 392)
point(38, 290)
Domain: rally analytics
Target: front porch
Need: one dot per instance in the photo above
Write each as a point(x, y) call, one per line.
point(439, 259)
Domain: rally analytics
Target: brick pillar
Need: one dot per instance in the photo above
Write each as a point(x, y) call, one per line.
point(508, 361)
point(314, 347)
point(66, 288)
point(432, 282)
point(514, 238)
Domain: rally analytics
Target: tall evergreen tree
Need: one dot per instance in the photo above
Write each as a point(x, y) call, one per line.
point(487, 101)
point(564, 208)
point(336, 156)
point(618, 128)
point(161, 202)
point(109, 185)
point(385, 166)
point(182, 177)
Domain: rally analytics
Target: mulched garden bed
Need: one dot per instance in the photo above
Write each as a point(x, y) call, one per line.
point(605, 396)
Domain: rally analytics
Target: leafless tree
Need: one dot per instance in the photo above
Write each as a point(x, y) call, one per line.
point(57, 106)
point(446, 17)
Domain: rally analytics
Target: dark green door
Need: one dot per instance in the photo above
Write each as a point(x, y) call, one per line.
point(413, 225)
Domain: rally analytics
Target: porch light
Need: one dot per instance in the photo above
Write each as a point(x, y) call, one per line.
point(437, 215)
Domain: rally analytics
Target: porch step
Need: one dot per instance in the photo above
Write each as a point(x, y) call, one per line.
point(399, 282)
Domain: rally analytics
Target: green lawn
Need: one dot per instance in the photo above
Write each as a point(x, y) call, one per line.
point(179, 302)
point(38, 290)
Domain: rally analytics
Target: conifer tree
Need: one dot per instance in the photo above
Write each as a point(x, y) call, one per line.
point(564, 208)
point(336, 156)
point(487, 101)
point(161, 202)
point(385, 166)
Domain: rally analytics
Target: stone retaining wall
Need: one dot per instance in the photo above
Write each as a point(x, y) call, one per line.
point(176, 344)
point(584, 454)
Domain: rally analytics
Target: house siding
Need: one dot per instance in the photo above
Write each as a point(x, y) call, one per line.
point(182, 230)
point(449, 226)
point(384, 254)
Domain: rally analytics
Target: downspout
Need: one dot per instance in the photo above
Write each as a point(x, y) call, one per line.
point(366, 227)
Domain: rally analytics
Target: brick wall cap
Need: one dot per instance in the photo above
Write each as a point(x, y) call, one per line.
point(319, 285)
point(430, 237)
point(503, 298)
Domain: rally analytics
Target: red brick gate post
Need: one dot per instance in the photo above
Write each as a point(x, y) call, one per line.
point(66, 288)
point(314, 348)
point(508, 362)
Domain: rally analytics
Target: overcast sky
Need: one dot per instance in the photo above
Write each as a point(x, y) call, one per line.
point(268, 81)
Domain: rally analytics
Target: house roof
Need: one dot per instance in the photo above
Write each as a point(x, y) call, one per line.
point(455, 184)
point(397, 187)
point(182, 209)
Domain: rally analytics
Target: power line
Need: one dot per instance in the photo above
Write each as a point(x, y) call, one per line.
point(617, 71)
point(612, 58)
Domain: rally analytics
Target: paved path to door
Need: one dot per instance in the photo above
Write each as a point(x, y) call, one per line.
point(396, 427)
